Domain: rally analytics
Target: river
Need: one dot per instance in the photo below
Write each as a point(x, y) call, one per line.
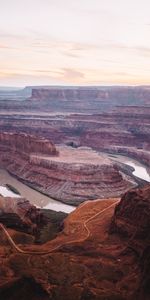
point(140, 170)
point(35, 197)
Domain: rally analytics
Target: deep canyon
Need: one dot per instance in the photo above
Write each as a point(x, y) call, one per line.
point(65, 142)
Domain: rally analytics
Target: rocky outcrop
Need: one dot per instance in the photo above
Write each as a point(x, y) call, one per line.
point(21, 215)
point(132, 220)
point(36, 225)
point(132, 214)
point(25, 144)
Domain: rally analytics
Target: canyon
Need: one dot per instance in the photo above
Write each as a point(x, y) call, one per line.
point(114, 120)
point(66, 143)
point(111, 119)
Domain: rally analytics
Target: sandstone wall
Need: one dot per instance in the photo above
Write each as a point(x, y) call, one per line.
point(27, 144)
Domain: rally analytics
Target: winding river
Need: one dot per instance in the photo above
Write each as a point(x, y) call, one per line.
point(46, 202)
point(35, 197)
point(140, 170)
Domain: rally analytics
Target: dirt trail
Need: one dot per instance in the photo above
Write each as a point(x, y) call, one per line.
point(19, 250)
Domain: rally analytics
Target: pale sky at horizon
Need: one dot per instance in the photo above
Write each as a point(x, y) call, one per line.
point(74, 42)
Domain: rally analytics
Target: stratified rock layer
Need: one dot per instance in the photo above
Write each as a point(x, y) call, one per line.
point(124, 94)
point(63, 178)
point(124, 130)
point(26, 144)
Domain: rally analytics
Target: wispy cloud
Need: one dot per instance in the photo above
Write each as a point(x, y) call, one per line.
point(68, 73)
point(4, 47)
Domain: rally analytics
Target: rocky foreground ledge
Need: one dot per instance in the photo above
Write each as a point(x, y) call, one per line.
point(20, 215)
point(102, 253)
point(37, 225)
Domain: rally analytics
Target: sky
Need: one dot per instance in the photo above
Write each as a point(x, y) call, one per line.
point(74, 42)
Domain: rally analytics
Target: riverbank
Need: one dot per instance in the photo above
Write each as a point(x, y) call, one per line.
point(36, 198)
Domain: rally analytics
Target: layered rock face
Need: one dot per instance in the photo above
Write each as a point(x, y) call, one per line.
point(72, 177)
point(26, 144)
point(69, 94)
point(73, 99)
point(125, 130)
point(73, 185)
point(94, 259)
point(128, 94)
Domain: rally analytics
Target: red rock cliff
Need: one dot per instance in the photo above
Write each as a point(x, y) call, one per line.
point(27, 144)
point(131, 221)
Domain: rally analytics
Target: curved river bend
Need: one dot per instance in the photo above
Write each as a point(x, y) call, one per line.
point(35, 197)
point(140, 170)
point(46, 202)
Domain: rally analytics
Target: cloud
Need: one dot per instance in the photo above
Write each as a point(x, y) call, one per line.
point(69, 54)
point(143, 50)
point(62, 74)
point(69, 74)
point(2, 46)
point(47, 72)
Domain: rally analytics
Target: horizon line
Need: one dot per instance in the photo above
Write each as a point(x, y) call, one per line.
point(73, 86)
